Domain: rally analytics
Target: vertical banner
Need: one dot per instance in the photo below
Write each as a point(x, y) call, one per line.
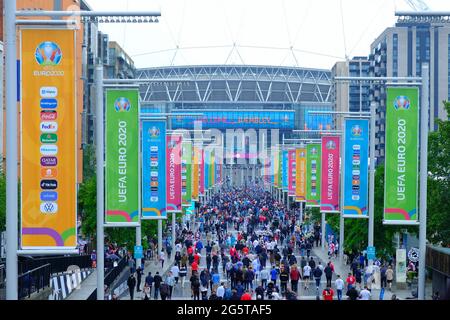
point(212, 170)
point(291, 172)
point(201, 171)
point(300, 176)
point(400, 266)
point(280, 169)
point(195, 172)
point(173, 167)
point(401, 164)
point(356, 168)
point(186, 173)
point(48, 140)
point(154, 169)
point(206, 170)
point(122, 155)
point(314, 171)
point(285, 173)
point(275, 171)
point(329, 201)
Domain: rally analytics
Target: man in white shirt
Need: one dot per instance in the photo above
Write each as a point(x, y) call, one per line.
point(339, 286)
point(306, 275)
point(264, 277)
point(221, 291)
point(365, 294)
point(175, 272)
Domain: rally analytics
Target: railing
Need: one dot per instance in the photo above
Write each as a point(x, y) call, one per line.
point(2, 282)
point(34, 280)
point(111, 276)
point(58, 264)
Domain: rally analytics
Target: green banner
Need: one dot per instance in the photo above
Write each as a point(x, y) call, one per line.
point(313, 174)
point(122, 155)
point(186, 173)
point(401, 157)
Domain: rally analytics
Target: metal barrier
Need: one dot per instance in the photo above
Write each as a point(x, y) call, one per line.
point(2, 282)
point(111, 276)
point(34, 280)
point(59, 264)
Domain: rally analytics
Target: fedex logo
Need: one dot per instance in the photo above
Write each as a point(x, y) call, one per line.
point(49, 126)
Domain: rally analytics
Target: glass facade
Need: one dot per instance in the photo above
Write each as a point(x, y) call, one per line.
point(395, 55)
point(422, 48)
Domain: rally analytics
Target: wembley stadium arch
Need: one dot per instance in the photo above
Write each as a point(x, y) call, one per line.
point(239, 99)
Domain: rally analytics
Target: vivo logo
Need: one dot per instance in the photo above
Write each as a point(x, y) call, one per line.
point(49, 150)
point(49, 196)
point(49, 207)
point(48, 92)
point(49, 127)
point(49, 161)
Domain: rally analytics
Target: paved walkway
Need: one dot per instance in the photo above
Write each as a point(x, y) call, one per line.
point(86, 288)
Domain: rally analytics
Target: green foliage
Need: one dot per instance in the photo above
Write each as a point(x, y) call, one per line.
point(87, 207)
point(438, 193)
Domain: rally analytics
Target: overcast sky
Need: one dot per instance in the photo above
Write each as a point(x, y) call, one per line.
point(260, 32)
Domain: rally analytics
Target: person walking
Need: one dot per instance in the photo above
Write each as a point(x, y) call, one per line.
point(328, 274)
point(365, 294)
point(306, 275)
point(175, 272)
point(221, 291)
point(138, 278)
point(350, 281)
point(317, 273)
point(195, 286)
point(162, 257)
point(295, 277)
point(284, 279)
point(131, 283)
point(149, 283)
point(170, 281)
point(327, 294)
point(157, 279)
point(164, 291)
point(183, 274)
point(389, 277)
point(339, 283)
point(264, 275)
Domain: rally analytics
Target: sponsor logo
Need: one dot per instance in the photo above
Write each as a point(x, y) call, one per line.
point(313, 151)
point(154, 183)
point(49, 103)
point(154, 148)
point(153, 199)
point(48, 92)
point(154, 163)
point(356, 131)
point(49, 184)
point(356, 162)
point(49, 138)
point(48, 115)
point(154, 173)
point(49, 173)
point(122, 105)
point(355, 197)
point(49, 127)
point(49, 196)
point(356, 147)
point(154, 179)
point(49, 207)
point(48, 53)
point(402, 103)
point(49, 161)
point(49, 150)
point(356, 172)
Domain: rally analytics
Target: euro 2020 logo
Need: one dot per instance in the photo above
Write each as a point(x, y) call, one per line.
point(356, 131)
point(48, 54)
point(122, 105)
point(331, 145)
point(402, 103)
point(154, 132)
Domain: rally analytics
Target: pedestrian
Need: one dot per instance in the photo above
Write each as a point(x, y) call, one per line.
point(389, 277)
point(350, 281)
point(365, 294)
point(339, 283)
point(221, 291)
point(164, 291)
point(352, 293)
point(131, 283)
point(162, 257)
point(246, 296)
point(170, 281)
point(195, 286)
point(183, 273)
point(149, 282)
point(264, 275)
point(175, 272)
point(295, 277)
point(328, 274)
point(306, 275)
point(273, 275)
point(327, 293)
point(383, 276)
point(146, 292)
point(139, 278)
point(284, 279)
point(317, 273)
point(157, 280)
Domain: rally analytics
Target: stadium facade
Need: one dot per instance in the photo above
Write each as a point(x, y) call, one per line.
point(232, 97)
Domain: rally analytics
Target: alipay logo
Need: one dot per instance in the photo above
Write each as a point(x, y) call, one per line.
point(48, 92)
point(48, 53)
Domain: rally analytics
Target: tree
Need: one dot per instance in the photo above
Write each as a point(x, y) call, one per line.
point(438, 195)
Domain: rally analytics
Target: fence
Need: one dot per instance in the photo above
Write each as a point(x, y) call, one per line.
point(2, 282)
point(111, 276)
point(34, 280)
point(58, 264)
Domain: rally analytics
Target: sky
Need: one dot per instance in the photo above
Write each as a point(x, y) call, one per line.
point(304, 33)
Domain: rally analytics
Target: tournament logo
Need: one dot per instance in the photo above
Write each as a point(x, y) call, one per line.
point(122, 105)
point(302, 154)
point(48, 53)
point(357, 131)
point(331, 145)
point(402, 103)
point(314, 151)
point(154, 132)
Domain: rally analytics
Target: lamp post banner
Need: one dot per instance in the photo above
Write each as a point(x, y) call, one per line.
point(186, 173)
point(122, 155)
point(201, 170)
point(329, 201)
point(300, 175)
point(292, 172)
point(173, 167)
point(48, 139)
point(313, 174)
point(154, 169)
point(285, 174)
point(280, 169)
point(401, 164)
point(195, 172)
point(356, 168)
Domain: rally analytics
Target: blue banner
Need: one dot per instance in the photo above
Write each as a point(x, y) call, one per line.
point(356, 163)
point(220, 119)
point(285, 173)
point(154, 169)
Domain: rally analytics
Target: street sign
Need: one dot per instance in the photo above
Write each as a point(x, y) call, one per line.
point(138, 252)
point(413, 254)
point(371, 253)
